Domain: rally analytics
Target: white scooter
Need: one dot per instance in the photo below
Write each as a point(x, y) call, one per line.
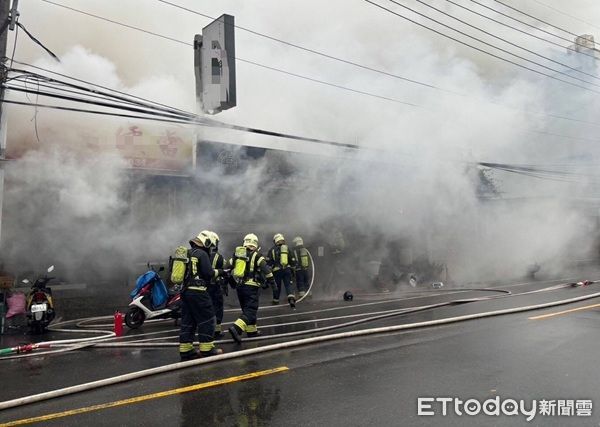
point(151, 300)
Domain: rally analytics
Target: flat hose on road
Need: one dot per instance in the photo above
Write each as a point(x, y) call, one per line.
point(273, 347)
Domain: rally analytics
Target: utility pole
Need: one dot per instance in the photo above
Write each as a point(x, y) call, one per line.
point(7, 22)
point(4, 12)
point(8, 18)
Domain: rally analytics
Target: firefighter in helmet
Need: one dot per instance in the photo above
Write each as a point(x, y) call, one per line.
point(302, 261)
point(197, 314)
point(248, 269)
point(218, 284)
point(280, 260)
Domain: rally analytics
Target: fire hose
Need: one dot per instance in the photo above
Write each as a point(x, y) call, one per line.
point(274, 347)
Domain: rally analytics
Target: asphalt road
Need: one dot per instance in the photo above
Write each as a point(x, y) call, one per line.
point(374, 380)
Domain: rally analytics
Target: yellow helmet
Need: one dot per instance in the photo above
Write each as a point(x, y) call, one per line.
point(278, 238)
point(298, 241)
point(203, 239)
point(251, 241)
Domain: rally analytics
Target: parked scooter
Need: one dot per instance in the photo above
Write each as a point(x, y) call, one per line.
point(40, 307)
point(152, 300)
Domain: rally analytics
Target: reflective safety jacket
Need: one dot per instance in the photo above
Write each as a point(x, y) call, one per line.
point(217, 263)
point(201, 271)
point(301, 258)
point(275, 257)
point(257, 268)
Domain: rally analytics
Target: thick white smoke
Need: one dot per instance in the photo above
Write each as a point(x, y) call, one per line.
point(417, 182)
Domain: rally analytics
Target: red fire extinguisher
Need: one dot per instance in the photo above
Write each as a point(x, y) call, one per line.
point(118, 326)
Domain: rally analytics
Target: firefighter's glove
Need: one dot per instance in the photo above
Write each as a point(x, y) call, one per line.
point(226, 272)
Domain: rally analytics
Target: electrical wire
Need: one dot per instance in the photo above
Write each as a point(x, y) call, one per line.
point(507, 41)
point(187, 119)
point(543, 172)
point(117, 22)
point(570, 48)
point(383, 72)
point(127, 96)
point(300, 47)
point(190, 122)
point(24, 80)
point(102, 113)
point(237, 128)
point(279, 70)
point(172, 115)
point(316, 52)
point(537, 19)
point(487, 44)
point(522, 22)
point(36, 41)
point(293, 74)
point(566, 14)
point(96, 103)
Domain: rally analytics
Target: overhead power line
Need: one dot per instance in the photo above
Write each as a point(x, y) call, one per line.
point(131, 27)
point(279, 70)
point(572, 49)
point(313, 51)
point(499, 12)
point(536, 18)
point(487, 44)
point(508, 41)
point(125, 96)
point(128, 98)
point(144, 111)
point(124, 101)
point(544, 172)
point(555, 116)
point(566, 14)
point(103, 113)
point(143, 108)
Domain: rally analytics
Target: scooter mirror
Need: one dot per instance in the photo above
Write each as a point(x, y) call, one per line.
point(50, 269)
point(25, 281)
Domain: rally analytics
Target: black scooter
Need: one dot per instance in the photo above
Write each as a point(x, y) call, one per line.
point(40, 307)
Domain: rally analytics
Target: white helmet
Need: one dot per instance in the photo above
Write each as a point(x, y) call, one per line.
point(278, 238)
point(298, 241)
point(203, 239)
point(214, 239)
point(251, 241)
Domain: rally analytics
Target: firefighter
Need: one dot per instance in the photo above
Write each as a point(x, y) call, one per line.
point(280, 261)
point(197, 314)
point(218, 285)
point(301, 265)
point(248, 265)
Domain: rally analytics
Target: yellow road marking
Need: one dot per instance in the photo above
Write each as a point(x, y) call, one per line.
point(145, 397)
point(558, 313)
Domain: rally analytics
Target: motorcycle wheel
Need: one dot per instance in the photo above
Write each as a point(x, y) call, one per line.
point(37, 328)
point(135, 318)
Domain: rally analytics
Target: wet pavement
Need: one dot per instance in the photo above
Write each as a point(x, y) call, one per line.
point(355, 381)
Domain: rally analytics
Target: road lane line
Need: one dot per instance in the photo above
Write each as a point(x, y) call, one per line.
point(558, 313)
point(145, 397)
